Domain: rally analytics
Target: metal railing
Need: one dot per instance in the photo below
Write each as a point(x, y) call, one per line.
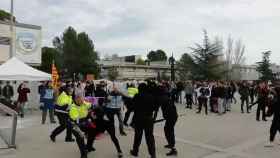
point(10, 140)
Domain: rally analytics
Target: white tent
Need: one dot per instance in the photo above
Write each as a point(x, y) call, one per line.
point(17, 70)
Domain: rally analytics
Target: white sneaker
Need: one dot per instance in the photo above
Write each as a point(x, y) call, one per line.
point(269, 144)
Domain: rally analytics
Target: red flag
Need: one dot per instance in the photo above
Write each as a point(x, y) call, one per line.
point(55, 77)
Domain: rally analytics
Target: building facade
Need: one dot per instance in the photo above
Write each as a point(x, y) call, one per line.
point(249, 72)
point(27, 40)
point(129, 70)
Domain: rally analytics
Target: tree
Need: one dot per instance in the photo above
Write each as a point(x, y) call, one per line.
point(140, 61)
point(206, 60)
point(185, 67)
point(264, 69)
point(5, 16)
point(113, 73)
point(238, 56)
point(158, 55)
point(234, 57)
point(77, 52)
point(48, 57)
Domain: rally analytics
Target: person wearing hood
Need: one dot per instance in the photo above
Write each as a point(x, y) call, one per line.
point(169, 111)
point(144, 108)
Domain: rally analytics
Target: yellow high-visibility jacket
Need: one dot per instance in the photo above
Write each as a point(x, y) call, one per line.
point(132, 91)
point(79, 112)
point(63, 99)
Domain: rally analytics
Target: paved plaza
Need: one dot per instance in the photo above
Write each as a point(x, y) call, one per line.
point(233, 135)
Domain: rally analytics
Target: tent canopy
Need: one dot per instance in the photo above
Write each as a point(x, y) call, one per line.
point(16, 70)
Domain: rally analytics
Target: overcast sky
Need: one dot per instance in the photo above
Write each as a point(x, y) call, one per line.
point(136, 26)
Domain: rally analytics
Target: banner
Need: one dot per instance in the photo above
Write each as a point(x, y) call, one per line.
point(55, 77)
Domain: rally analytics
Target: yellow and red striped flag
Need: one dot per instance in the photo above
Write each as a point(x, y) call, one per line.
point(55, 76)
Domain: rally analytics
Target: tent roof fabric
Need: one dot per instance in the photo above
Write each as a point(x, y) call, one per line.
point(16, 70)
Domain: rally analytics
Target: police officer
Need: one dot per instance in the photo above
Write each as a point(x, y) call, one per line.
point(144, 107)
point(79, 117)
point(170, 114)
point(132, 91)
point(63, 101)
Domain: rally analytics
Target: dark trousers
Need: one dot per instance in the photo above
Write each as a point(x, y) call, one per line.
point(211, 103)
point(44, 115)
point(80, 140)
point(252, 99)
point(150, 140)
point(64, 123)
point(275, 126)
point(103, 126)
point(261, 107)
point(244, 100)
point(202, 101)
point(169, 131)
point(110, 112)
point(189, 100)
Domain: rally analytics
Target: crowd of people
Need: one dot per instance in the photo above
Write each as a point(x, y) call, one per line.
point(87, 109)
point(7, 93)
point(219, 96)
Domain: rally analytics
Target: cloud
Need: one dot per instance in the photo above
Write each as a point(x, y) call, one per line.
point(130, 26)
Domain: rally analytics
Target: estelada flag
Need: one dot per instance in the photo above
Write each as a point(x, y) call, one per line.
point(55, 76)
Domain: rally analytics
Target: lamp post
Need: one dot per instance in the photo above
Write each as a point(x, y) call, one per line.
point(172, 63)
point(12, 29)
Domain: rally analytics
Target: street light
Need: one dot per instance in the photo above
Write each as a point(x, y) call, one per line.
point(12, 29)
point(172, 63)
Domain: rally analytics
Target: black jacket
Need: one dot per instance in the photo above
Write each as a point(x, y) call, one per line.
point(167, 104)
point(275, 108)
point(244, 92)
point(101, 93)
point(144, 106)
point(89, 89)
point(8, 91)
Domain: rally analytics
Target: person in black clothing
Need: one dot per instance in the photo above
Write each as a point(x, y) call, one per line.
point(203, 98)
point(220, 93)
point(89, 89)
point(103, 125)
point(8, 91)
point(263, 93)
point(244, 96)
point(64, 87)
point(180, 88)
point(214, 99)
point(252, 93)
point(232, 92)
point(101, 93)
point(275, 111)
point(144, 107)
point(169, 111)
